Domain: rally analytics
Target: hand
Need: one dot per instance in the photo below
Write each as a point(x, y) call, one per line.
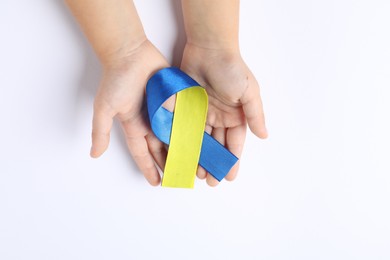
point(234, 99)
point(122, 94)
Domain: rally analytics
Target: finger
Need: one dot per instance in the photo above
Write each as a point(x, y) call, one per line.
point(157, 149)
point(208, 129)
point(253, 109)
point(219, 134)
point(201, 172)
point(211, 181)
point(138, 148)
point(235, 138)
point(101, 127)
point(135, 132)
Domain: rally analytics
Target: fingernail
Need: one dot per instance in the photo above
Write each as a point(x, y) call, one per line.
point(91, 151)
point(264, 132)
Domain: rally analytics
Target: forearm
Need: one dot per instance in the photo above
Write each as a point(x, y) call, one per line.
point(212, 23)
point(112, 26)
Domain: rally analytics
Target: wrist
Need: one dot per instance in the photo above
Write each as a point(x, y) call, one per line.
point(214, 44)
point(213, 51)
point(142, 59)
point(114, 56)
point(212, 24)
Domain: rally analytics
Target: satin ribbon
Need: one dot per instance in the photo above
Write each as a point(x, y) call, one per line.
point(183, 130)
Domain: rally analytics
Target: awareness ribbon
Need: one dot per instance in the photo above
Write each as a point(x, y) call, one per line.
point(183, 130)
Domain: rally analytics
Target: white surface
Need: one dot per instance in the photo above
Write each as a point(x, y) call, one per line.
point(318, 188)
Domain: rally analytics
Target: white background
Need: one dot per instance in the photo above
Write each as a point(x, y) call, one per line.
point(318, 188)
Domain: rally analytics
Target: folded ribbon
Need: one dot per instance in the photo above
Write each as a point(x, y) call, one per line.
point(183, 130)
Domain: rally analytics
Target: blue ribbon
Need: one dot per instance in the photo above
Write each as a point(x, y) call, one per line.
point(214, 157)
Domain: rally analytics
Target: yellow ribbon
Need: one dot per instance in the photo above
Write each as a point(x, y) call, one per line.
point(188, 126)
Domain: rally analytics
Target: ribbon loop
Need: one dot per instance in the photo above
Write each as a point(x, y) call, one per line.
point(183, 130)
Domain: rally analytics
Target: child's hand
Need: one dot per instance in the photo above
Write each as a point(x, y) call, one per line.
point(234, 98)
point(122, 95)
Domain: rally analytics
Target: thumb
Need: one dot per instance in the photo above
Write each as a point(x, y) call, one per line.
point(101, 128)
point(253, 110)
